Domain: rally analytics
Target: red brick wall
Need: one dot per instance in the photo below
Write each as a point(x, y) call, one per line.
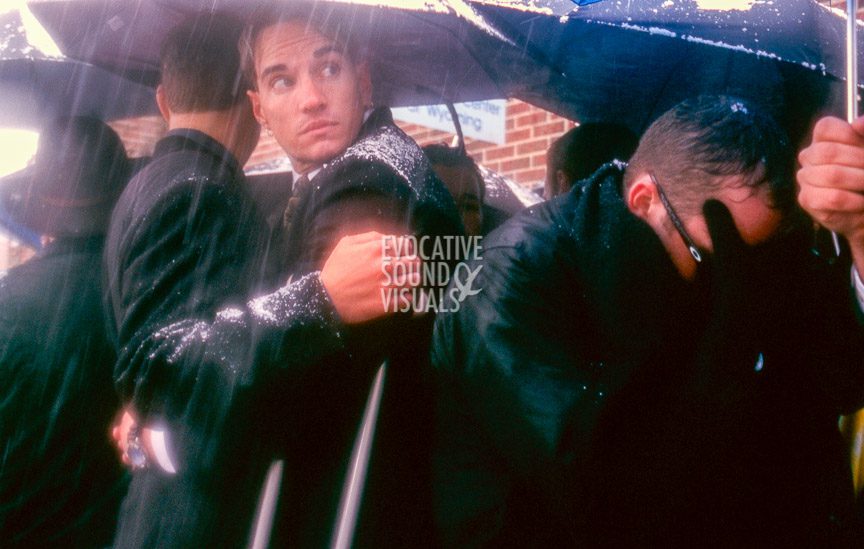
point(139, 135)
point(522, 157)
point(529, 132)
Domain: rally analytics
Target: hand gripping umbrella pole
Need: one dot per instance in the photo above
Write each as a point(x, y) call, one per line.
point(852, 426)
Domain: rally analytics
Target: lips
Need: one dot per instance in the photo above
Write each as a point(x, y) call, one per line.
point(316, 125)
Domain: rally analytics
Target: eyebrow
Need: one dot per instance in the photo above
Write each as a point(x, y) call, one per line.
point(324, 50)
point(273, 68)
point(320, 52)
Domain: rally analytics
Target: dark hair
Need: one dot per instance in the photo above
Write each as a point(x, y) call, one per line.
point(579, 152)
point(320, 19)
point(693, 146)
point(442, 155)
point(200, 61)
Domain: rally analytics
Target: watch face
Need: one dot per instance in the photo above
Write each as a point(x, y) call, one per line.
point(134, 451)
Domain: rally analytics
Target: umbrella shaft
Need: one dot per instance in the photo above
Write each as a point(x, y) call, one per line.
point(851, 60)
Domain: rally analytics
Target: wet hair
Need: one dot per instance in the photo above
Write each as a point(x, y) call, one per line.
point(693, 147)
point(318, 19)
point(579, 152)
point(200, 62)
point(440, 154)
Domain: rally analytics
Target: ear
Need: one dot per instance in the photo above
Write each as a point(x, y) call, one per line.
point(642, 198)
point(563, 184)
point(162, 103)
point(365, 82)
point(257, 111)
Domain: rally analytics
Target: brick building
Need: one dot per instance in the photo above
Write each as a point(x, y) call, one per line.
point(522, 157)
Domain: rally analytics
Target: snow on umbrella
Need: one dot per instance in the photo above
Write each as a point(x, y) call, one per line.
point(630, 61)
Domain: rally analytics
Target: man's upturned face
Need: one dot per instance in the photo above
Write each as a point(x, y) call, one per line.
point(310, 95)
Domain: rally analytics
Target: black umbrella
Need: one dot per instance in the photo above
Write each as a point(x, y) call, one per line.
point(422, 51)
point(629, 61)
point(35, 86)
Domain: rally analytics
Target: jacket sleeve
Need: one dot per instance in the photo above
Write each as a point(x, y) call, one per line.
point(193, 339)
point(238, 348)
point(355, 198)
point(515, 405)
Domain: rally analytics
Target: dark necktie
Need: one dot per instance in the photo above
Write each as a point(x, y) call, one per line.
point(299, 191)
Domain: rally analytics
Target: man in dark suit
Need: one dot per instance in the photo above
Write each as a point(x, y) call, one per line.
point(657, 359)
point(186, 253)
point(60, 483)
point(314, 93)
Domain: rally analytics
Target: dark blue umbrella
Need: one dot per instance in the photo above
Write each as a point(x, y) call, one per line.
point(628, 61)
point(35, 86)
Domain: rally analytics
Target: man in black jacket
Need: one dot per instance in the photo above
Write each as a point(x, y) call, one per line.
point(630, 378)
point(187, 253)
point(313, 90)
point(60, 482)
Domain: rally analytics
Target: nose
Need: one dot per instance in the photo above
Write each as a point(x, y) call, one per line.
point(313, 97)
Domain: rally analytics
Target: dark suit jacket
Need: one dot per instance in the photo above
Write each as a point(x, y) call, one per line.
point(200, 365)
point(382, 182)
point(60, 481)
point(184, 239)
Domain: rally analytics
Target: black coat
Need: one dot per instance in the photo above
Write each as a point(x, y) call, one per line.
point(60, 480)
point(185, 239)
point(579, 403)
point(203, 329)
point(382, 182)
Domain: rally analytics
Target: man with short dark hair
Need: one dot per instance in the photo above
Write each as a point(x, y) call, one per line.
point(188, 271)
point(655, 358)
point(354, 171)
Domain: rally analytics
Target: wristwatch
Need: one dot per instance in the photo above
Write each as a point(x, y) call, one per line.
point(135, 449)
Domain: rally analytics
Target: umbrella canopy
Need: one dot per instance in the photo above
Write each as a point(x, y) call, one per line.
point(630, 61)
point(422, 51)
point(35, 87)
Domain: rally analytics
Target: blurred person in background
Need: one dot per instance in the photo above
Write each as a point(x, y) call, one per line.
point(578, 153)
point(60, 482)
point(460, 175)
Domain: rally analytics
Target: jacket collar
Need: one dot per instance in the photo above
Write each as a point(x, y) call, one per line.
point(186, 139)
point(633, 284)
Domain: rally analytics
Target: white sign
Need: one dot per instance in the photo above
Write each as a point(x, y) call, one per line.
point(483, 120)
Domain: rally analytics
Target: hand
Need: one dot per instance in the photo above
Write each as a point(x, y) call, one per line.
point(358, 272)
point(742, 301)
point(831, 180)
point(120, 433)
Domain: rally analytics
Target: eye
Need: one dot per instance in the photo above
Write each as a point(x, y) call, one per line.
point(329, 70)
point(281, 83)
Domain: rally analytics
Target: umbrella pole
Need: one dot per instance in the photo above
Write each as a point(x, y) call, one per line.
point(355, 480)
point(852, 426)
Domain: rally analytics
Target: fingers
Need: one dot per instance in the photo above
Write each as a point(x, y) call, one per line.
point(832, 164)
point(839, 210)
point(724, 234)
point(403, 272)
point(835, 130)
